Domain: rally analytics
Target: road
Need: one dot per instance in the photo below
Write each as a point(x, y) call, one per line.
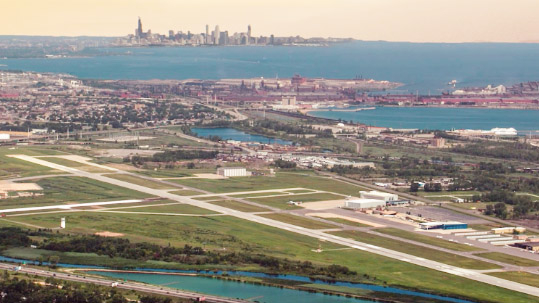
point(466, 273)
point(124, 285)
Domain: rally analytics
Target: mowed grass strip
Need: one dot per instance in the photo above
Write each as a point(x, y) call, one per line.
point(75, 164)
point(346, 222)
point(415, 250)
point(426, 239)
point(518, 276)
point(281, 201)
point(140, 181)
point(236, 235)
point(508, 259)
point(171, 207)
point(63, 190)
point(12, 167)
point(299, 221)
point(252, 195)
point(279, 181)
point(187, 192)
point(248, 208)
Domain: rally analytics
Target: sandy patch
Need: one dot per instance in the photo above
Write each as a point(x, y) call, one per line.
point(330, 215)
point(323, 204)
point(108, 234)
point(12, 186)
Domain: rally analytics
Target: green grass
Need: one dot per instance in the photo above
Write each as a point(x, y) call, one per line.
point(171, 208)
point(140, 181)
point(508, 259)
point(299, 221)
point(239, 206)
point(280, 181)
point(415, 250)
point(75, 164)
point(281, 201)
point(13, 168)
point(239, 235)
point(62, 190)
point(486, 227)
point(426, 239)
point(299, 191)
point(346, 222)
point(518, 276)
point(186, 192)
point(273, 193)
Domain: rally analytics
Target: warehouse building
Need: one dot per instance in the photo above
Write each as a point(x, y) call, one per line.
point(443, 225)
point(364, 203)
point(232, 171)
point(378, 195)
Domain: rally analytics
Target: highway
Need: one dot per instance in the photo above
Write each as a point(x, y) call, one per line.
point(466, 273)
point(123, 285)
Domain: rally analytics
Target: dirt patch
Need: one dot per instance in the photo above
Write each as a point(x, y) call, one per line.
point(12, 186)
point(108, 234)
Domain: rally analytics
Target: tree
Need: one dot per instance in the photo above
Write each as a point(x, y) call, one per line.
point(489, 211)
point(500, 210)
point(414, 187)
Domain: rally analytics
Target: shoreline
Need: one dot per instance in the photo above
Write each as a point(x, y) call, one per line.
point(300, 287)
point(308, 114)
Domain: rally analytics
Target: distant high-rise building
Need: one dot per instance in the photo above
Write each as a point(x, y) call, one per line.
point(207, 34)
point(139, 32)
point(216, 35)
point(248, 33)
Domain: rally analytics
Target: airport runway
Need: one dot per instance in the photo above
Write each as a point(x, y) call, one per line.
point(466, 273)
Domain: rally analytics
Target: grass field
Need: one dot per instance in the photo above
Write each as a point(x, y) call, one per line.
point(427, 240)
point(61, 190)
point(281, 201)
point(508, 259)
point(75, 164)
point(173, 207)
point(299, 221)
point(281, 180)
point(273, 193)
point(239, 235)
point(14, 168)
point(415, 250)
point(520, 277)
point(140, 181)
point(186, 192)
point(346, 222)
point(239, 206)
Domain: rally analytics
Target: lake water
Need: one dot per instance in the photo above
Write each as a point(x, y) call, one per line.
point(423, 67)
point(235, 289)
point(440, 118)
point(227, 133)
point(268, 294)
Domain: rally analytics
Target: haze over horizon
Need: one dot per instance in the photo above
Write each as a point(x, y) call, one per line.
point(388, 20)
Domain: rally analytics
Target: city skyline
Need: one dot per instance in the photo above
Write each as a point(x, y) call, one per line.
point(409, 20)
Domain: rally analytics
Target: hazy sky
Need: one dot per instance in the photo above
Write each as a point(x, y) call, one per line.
point(395, 20)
